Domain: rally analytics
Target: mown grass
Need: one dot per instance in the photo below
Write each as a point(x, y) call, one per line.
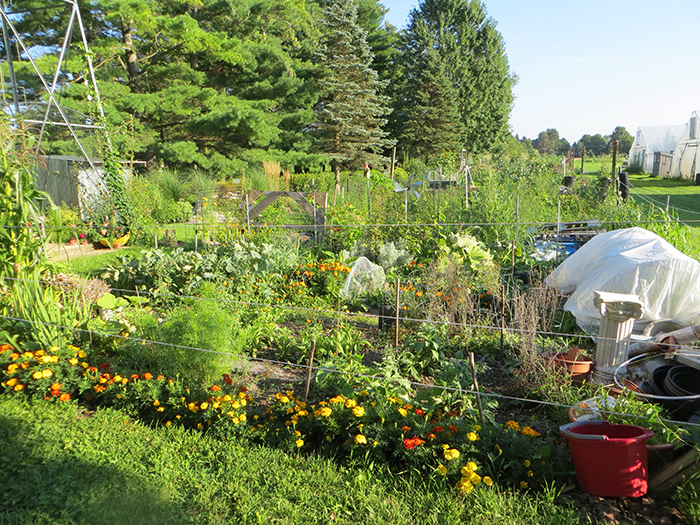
point(62, 466)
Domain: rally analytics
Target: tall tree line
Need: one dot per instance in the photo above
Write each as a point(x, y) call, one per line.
point(221, 84)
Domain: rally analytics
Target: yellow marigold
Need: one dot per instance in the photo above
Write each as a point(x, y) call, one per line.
point(403, 412)
point(465, 485)
point(73, 361)
point(350, 403)
point(303, 413)
point(28, 355)
point(56, 386)
point(284, 399)
point(39, 353)
point(37, 375)
point(363, 393)
point(243, 417)
point(513, 425)
point(358, 411)
point(168, 423)
point(526, 463)
point(156, 403)
point(523, 485)
point(19, 387)
point(161, 409)
point(117, 378)
point(204, 405)
point(530, 473)
point(299, 443)
point(227, 397)
point(472, 436)
point(326, 411)
point(25, 365)
point(14, 355)
point(317, 413)
point(360, 439)
point(442, 470)
point(476, 428)
point(487, 481)
point(81, 354)
point(337, 399)
point(46, 373)
point(289, 410)
point(450, 453)
point(11, 368)
point(468, 468)
point(474, 478)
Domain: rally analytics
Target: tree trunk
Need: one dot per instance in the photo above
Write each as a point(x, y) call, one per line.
point(132, 62)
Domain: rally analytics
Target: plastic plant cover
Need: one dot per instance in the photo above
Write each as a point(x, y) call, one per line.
point(630, 261)
point(364, 276)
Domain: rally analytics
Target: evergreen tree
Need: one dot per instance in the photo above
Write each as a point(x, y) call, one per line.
point(351, 111)
point(435, 123)
point(474, 62)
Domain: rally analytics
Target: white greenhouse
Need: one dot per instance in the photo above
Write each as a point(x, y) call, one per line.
point(651, 141)
point(686, 158)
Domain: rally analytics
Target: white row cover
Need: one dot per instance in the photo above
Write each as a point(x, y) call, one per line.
point(630, 261)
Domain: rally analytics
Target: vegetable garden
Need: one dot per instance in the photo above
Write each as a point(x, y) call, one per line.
point(241, 332)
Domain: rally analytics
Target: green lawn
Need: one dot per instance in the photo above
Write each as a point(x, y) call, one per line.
point(683, 196)
point(61, 465)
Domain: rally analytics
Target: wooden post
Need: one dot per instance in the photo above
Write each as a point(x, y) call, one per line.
point(583, 154)
point(155, 240)
point(398, 305)
point(503, 315)
point(668, 203)
point(615, 145)
point(476, 388)
point(393, 162)
point(308, 373)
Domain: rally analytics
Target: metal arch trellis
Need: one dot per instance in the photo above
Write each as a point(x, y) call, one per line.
point(8, 29)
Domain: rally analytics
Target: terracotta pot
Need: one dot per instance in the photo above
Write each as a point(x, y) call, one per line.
point(575, 363)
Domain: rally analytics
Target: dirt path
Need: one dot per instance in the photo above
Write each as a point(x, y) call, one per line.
point(68, 251)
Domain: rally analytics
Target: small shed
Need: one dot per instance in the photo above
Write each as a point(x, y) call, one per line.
point(686, 159)
point(650, 140)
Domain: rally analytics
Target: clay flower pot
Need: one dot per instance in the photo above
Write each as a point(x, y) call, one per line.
point(575, 363)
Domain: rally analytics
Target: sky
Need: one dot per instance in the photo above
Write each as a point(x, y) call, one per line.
point(588, 67)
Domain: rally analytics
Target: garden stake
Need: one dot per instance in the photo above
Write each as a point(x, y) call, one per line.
point(668, 203)
point(476, 388)
point(396, 333)
point(308, 374)
point(155, 240)
point(503, 314)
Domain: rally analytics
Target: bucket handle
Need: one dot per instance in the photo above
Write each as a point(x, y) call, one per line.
point(564, 429)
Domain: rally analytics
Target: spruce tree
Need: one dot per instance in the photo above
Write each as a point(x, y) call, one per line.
point(435, 123)
point(474, 62)
point(351, 112)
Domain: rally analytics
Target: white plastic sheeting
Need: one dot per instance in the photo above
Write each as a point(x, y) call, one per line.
point(686, 157)
point(630, 261)
point(364, 276)
point(650, 139)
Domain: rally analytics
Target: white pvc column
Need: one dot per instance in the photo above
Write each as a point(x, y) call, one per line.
point(618, 313)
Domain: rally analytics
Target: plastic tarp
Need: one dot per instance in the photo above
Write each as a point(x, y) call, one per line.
point(630, 261)
point(364, 276)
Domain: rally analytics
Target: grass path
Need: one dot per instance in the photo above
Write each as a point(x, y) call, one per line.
point(62, 466)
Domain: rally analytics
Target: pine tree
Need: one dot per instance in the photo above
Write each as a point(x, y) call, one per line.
point(351, 111)
point(434, 123)
point(474, 63)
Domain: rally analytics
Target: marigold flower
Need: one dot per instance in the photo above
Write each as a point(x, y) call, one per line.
point(405, 429)
point(19, 387)
point(204, 405)
point(56, 386)
point(530, 473)
point(46, 373)
point(450, 453)
point(28, 355)
point(430, 436)
point(530, 432)
point(419, 412)
point(73, 361)
point(403, 412)
point(465, 485)
point(284, 399)
point(363, 393)
point(64, 397)
point(12, 382)
point(350, 403)
point(215, 388)
point(437, 429)
point(442, 470)
point(513, 425)
point(156, 403)
point(326, 411)
point(299, 443)
point(14, 355)
point(360, 439)
point(487, 481)
point(36, 375)
point(469, 468)
point(523, 485)
point(526, 463)
point(453, 429)
point(472, 436)
point(11, 368)
point(358, 411)
point(411, 443)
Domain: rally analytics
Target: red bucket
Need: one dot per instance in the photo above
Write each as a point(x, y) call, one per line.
point(610, 460)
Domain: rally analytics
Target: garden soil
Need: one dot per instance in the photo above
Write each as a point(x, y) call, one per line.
point(68, 252)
